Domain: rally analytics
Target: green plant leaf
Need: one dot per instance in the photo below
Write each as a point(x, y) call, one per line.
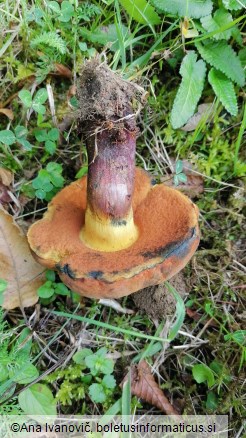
point(224, 90)
point(50, 147)
point(97, 393)
point(46, 290)
point(183, 8)
point(109, 381)
point(37, 400)
point(219, 19)
point(7, 137)
point(238, 336)
point(3, 372)
point(190, 90)
point(41, 135)
point(50, 275)
point(26, 98)
point(51, 39)
point(180, 311)
point(54, 167)
point(221, 56)
point(53, 134)
point(42, 180)
point(67, 11)
point(212, 401)
point(25, 143)
point(40, 193)
point(179, 166)
point(202, 373)
point(234, 5)
point(20, 132)
point(141, 11)
point(54, 6)
point(26, 374)
point(79, 356)
point(57, 179)
point(61, 289)
point(182, 177)
point(83, 171)
point(41, 96)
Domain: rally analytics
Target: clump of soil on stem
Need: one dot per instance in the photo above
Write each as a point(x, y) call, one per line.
point(105, 97)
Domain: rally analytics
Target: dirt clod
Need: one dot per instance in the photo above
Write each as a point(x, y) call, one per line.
point(157, 301)
point(104, 96)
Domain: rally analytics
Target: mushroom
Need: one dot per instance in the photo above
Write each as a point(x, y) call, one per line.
point(115, 231)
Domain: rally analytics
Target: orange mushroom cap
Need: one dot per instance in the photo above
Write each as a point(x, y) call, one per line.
point(168, 235)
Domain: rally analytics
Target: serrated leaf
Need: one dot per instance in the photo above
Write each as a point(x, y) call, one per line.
point(7, 137)
point(221, 56)
point(109, 381)
point(25, 97)
point(234, 5)
point(17, 266)
point(219, 19)
point(190, 90)
point(202, 373)
point(79, 356)
point(141, 11)
point(52, 39)
point(182, 8)
point(97, 393)
point(37, 400)
point(224, 90)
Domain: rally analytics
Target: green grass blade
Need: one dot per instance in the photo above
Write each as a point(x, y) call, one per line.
point(180, 312)
point(109, 326)
point(239, 138)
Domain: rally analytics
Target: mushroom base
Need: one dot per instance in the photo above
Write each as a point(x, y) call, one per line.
point(167, 223)
point(108, 235)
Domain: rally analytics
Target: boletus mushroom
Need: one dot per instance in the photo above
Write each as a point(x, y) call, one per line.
point(114, 231)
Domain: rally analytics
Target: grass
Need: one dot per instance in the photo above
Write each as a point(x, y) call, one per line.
point(209, 332)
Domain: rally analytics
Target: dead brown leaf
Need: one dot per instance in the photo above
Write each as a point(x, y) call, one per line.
point(6, 177)
point(62, 70)
point(203, 111)
point(7, 112)
point(144, 386)
point(17, 266)
point(4, 195)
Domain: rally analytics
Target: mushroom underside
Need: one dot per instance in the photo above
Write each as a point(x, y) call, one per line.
point(167, 223)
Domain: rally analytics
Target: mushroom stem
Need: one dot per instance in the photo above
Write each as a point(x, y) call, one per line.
point(109, 224)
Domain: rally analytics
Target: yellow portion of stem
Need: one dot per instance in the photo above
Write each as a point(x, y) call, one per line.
point(102, 235)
